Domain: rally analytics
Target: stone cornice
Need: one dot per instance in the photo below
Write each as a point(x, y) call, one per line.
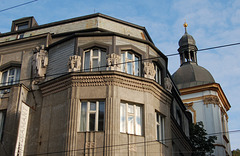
point(212, 86)
point(105, 78)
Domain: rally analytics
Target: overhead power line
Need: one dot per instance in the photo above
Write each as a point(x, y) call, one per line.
point(121, 145)
point(18, 5)
point(140, 60)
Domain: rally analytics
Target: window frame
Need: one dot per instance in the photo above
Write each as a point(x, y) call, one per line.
point(16, 76)
point(127, 114)
point(87, 114)
point(126, 61)
point(101, 65)
point(160, 127)
point(158, 75)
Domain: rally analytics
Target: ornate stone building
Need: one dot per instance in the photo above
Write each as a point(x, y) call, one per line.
point(87, 86)
point(202, 96)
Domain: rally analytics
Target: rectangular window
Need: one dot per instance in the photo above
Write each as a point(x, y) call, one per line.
point(130, 63)
point(95, 59)
point(2, 120)
point(158, 76)
point(10, 76)
point(160, 121)
point(131, 119)
point(92, 116)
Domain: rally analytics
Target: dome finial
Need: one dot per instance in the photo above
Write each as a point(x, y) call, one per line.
point(185, 26)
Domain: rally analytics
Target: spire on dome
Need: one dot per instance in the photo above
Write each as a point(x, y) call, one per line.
point(185, 26)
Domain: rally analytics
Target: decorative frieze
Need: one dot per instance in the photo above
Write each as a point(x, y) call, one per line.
point(114, 61)
point(74, 63)
point(149, 71)
point(39, 64)
point(211, 99)
point(168, 84)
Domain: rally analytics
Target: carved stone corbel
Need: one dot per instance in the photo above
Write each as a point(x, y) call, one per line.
point(168, 84)
point(74, 63)
point(149, 71)
point(114, 61)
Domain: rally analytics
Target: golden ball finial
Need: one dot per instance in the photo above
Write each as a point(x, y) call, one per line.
point(185, 24)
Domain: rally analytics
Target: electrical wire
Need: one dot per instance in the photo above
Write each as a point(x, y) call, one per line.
point(140, 60)
point(18, 5)
point(121, 145)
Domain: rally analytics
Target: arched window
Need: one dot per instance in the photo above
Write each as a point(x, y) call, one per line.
point(130, 63)
point(94, 59)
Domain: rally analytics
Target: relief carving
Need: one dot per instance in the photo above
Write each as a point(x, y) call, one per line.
point(211, 99)
point(149, 71)
point(74, 63)
point(168, 84)
point(114, 61)
point(39, 63)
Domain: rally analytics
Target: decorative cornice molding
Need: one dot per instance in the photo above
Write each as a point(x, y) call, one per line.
point(212, 86)
point(113, 78)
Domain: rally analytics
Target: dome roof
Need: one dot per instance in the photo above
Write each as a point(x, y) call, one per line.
point(190, 74)
point(186, 39)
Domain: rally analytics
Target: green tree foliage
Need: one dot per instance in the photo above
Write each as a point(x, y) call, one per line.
point(201, 143)
point(236, 152)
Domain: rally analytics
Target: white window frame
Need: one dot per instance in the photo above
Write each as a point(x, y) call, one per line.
point(125, 61)
point(101, 65)
point(16, 76)
point(160, 127)
point(124, 125)
point(158, 75)
point(88, 112)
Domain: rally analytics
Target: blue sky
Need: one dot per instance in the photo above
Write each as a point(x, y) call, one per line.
point(211, 23)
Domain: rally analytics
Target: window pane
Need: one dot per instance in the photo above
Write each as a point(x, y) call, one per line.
point(2, 116)
point(87, 61)
point(95, 52)
point(130, 109)
point(95, 64)
point(11, 72)
point(138, 120)
point(129, 67)
point(93, 106)
point(83, 117)
point(123, 61)
point(18, 75)
point(136, 72)
point(131, 124)
point(130, 56)
point(157, 117)
point(101, 116)
point(158, 132)
point(92, 122)
point(103, 60)
point(4, 78)
point(10, 80)
point(122, 118)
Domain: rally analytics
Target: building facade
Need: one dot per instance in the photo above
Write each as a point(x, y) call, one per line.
point(202, 96)
point(92, 85)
